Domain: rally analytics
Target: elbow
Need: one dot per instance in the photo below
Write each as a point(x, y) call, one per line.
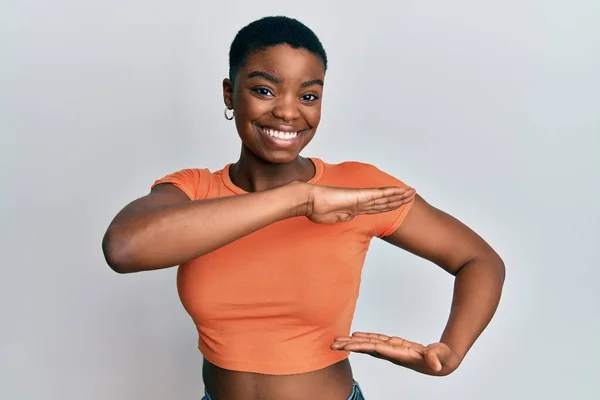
point(495, 263)
point(490, 261)
point(117, 252)
point(498, 262)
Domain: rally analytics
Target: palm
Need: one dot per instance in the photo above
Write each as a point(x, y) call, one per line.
point(330, 205)
point(435, 359)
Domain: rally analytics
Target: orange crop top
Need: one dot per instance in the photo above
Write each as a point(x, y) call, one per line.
point(273, 301)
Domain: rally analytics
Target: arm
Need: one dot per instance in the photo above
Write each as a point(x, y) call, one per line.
point(165, 228)
point(479, 276)
point(438, 237)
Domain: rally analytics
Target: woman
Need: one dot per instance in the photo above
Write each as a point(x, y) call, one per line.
point(271, 247)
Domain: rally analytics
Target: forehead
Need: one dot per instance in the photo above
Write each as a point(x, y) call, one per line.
point(285, 62)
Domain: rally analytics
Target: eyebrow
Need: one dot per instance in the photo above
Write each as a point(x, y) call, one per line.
point(274, 79)
point(264, 75)
point(314, 82)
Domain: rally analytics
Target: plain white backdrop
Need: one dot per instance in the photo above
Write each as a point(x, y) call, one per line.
point(490, 109)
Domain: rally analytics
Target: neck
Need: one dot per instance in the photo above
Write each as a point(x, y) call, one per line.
point(253, 174)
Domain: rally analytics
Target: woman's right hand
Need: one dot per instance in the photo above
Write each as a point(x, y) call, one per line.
point(328, 205)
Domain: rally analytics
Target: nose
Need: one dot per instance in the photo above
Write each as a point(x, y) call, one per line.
point(286, 108)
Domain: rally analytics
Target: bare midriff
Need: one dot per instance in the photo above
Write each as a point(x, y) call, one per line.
point(330, 383)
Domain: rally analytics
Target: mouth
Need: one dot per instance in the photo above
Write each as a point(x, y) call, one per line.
point(281, 138)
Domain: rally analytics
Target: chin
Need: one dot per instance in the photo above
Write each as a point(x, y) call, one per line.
point(278, 158)
point(273, 156)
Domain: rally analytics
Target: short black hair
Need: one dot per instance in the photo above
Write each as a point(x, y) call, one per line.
point(272, 31)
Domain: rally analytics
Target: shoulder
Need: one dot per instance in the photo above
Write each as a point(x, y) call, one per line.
point(189, 175)
point(195, 182)
point(350, 166)
point(360, 174)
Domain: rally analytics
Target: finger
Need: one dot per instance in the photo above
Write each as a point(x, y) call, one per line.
point(386, 200)
point(379, 208)
point(386, 191)
point(370, 335)
point(373, 194)
point(395, 341)
point(395, 190)
point(368, 347)
point(387, 205)
point(343, 338)
point(345, 341)
point(362, 336)
point(382, 209)
point(398, 341)
point(403, 192)
point(384, 350)
point(382, 202)
point(432, 359)
point(391, 198)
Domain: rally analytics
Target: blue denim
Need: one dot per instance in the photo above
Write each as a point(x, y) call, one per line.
point(355, 395)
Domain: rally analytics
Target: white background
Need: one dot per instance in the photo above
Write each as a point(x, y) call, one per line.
point(490, 109)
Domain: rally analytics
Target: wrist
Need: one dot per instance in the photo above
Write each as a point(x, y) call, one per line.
point(457, 348)
point(300, 198)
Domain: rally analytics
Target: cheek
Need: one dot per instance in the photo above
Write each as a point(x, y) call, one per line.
point(257, 107)
point(312, 115)
point(250, 107)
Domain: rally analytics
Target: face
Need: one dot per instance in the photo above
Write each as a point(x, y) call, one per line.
point(277, 101)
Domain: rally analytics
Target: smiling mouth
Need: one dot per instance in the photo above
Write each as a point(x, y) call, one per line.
point(281, 135)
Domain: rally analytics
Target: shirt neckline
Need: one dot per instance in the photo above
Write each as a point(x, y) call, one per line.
point(317, 162)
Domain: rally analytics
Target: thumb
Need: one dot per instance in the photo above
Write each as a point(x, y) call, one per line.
point(432, 359)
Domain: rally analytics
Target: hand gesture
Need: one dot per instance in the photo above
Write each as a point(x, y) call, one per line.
point(437, 359)
point(328, 205)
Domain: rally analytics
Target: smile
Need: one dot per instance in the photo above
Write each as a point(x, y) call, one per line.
point(281, 138)
point(279, 134)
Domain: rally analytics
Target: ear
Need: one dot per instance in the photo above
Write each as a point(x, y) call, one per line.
point(228, 93)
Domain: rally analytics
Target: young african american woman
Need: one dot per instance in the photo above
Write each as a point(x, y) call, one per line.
point(270, 248)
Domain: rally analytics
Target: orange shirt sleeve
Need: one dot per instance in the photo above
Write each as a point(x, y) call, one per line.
point(190, 181)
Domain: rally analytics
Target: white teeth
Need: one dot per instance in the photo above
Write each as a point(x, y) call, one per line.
point(281, 135)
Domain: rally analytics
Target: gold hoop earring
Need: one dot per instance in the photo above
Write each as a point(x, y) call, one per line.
point(227, 117)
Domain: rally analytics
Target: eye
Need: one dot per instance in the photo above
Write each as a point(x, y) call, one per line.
point(309, 97)
point(262, 91)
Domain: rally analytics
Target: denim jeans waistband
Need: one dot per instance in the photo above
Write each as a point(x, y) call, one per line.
point(355, 395)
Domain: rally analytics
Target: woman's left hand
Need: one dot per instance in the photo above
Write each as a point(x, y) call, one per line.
point(437, 359)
